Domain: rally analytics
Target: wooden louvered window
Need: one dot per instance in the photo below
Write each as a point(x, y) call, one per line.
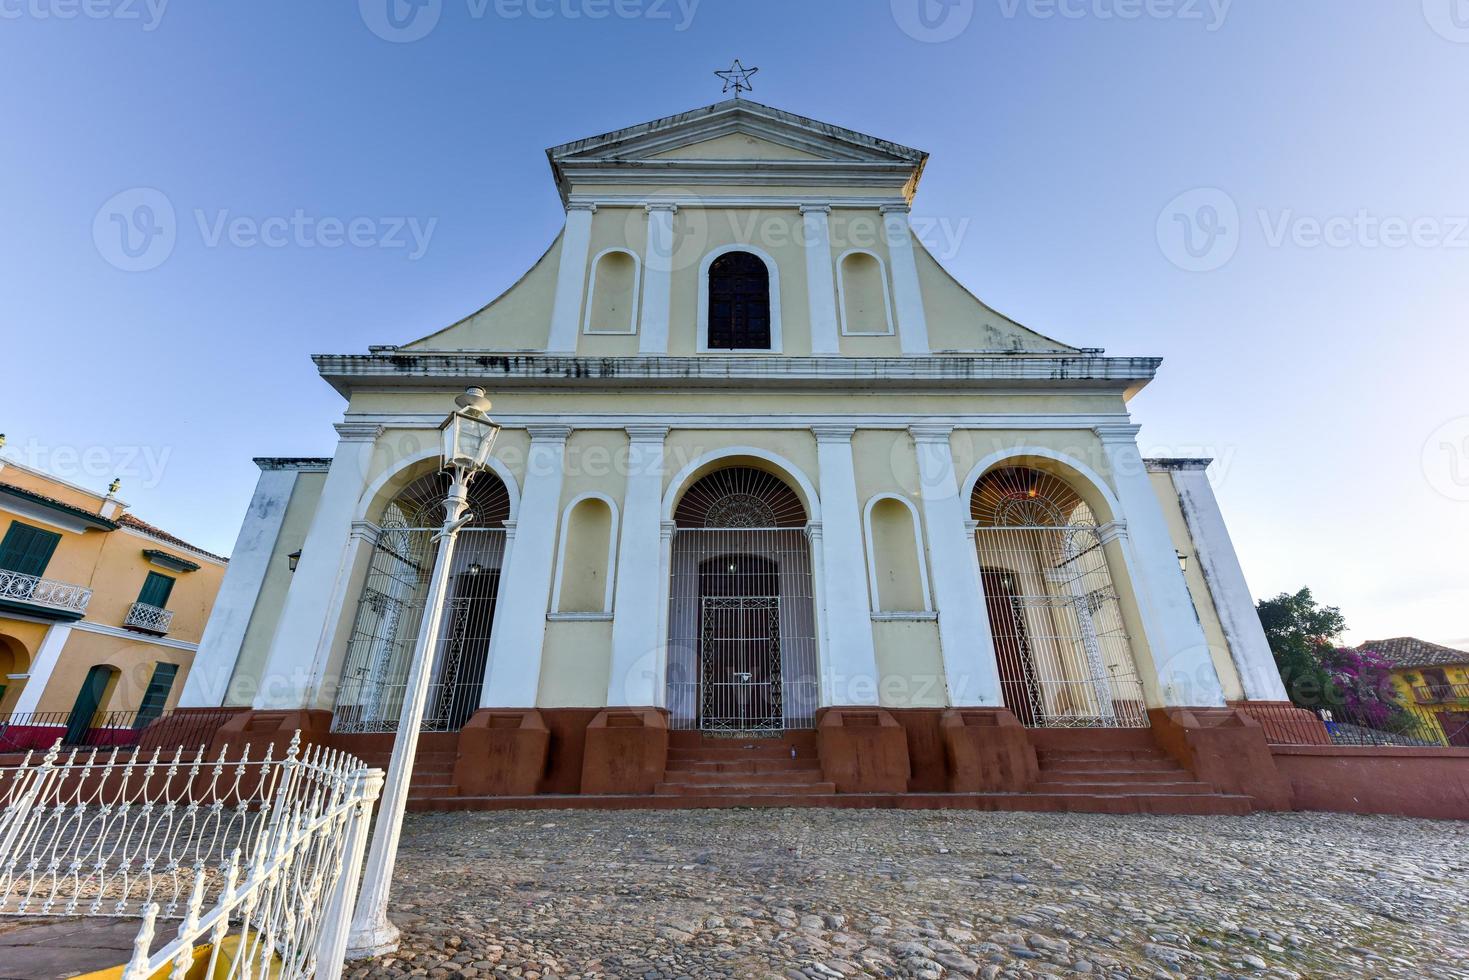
point(739, 303)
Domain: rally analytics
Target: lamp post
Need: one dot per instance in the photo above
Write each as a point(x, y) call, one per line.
point(467, 435)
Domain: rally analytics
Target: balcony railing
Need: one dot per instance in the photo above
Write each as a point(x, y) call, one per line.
point(149, 619)
point(37, 591)
point(1441, 693)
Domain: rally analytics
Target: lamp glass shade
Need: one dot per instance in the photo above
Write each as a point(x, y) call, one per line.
point(467, 439)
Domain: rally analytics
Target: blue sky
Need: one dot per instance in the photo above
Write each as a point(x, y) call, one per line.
point(1313, 152)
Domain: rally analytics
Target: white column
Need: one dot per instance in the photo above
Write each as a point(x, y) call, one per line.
point(290, 679)
point(820, 278)
point(1186, 674)
point(219, 647)
point(850, 660)
point(571, 279)
point(513, 677)
point(907, 294)
point(657, 279)
point(42, 666)
point(1233, 601)
point(970, 665)
point(640, 606)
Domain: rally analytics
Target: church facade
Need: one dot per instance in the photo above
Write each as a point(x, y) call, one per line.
point(769, 480)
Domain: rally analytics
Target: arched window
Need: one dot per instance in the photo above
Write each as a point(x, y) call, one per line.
point(896, 570)
point(379, 651)
point(613, 296)
point(863, 288)
point(1064, 656)
point(742, 624)
point(584, 569)
point(739, 302)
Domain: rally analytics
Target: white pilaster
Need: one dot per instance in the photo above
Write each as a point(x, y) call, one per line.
point(640, 605)
point(820, 278)
point(291, 676)
point(970, 666)
point(571, 278)
point(907, 294)
point(219, 647)
point(849, 664)
point(1186, 674)
point(42, 666)
point(513, 676)
point(657, 280)
point(1217, 559)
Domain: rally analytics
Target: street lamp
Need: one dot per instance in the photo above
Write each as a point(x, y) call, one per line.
point(467, 436)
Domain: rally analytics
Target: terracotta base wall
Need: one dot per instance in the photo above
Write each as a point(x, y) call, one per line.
point(863, 750)
point(626, 751)
point(271, 729)
point(1403, 782)
point(927, 762)
point(1225, 748)
point(987, 751)
point(502, 752)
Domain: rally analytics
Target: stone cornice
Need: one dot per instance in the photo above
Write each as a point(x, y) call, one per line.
point(560, 372)
point(833, 432)
point(358, 431)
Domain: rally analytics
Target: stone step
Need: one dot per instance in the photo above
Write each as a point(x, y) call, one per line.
point(791, 778)
point(1179, 788)
point(735, 755)
point(1213, 804)
point(743, 789)
point(1084, 754)
point(1119, 775)
point(1156, 765)
point(744, 765)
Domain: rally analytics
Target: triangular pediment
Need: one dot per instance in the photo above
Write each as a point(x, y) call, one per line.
point(736, 146)
point(734, 139)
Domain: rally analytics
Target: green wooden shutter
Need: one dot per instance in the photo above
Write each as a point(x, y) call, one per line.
point(157, 694)
point(156, 590)
point(27, 549)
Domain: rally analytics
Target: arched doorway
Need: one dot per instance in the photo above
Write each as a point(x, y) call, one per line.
point(88, 705)
point(390, 608)
point(742, 620)
point(1064, 657)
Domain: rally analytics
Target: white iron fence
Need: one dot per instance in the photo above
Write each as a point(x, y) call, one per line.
point(148, 618)
point(260, 860)
point(20, 587)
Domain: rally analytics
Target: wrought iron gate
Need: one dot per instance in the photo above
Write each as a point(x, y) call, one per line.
point(374, 674)
point(1065, 659)
point(739, 664)
point(742, 653)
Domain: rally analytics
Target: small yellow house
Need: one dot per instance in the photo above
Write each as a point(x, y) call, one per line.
point(100, 613)
point(1432, 682)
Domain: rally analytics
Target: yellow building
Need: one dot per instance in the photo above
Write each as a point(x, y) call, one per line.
point(1432, 683)
point(100, 613)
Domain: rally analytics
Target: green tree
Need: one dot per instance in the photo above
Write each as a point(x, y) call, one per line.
point(1301, 635)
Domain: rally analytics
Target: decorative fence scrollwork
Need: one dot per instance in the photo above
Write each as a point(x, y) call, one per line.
point(150, 619)
point(19, 587)
point(258, 859)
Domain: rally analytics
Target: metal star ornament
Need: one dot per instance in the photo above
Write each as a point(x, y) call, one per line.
point(738, 78)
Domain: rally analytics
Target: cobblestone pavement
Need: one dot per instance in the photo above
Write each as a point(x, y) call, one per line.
point(833, 893)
